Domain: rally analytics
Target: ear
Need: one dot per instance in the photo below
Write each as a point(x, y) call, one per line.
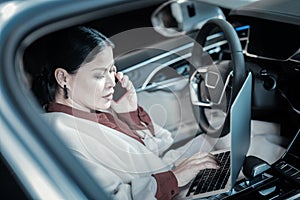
point(61, 76)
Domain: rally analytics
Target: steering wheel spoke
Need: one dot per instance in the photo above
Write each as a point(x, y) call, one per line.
point(214, 86)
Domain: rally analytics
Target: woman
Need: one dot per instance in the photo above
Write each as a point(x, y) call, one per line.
point(117, 142)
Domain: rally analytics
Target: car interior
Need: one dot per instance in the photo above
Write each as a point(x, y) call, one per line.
point(173, 49)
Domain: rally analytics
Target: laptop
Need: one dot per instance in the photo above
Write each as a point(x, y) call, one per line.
point(210, 182)
point(288, 166)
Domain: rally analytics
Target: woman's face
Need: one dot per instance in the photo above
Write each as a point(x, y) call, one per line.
point(91, 88)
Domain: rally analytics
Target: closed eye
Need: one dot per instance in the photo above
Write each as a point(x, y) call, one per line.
point(99, 77)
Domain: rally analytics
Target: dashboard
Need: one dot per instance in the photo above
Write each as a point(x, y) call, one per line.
point(274, 41)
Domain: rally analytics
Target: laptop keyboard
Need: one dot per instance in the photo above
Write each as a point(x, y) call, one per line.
point(208, 180)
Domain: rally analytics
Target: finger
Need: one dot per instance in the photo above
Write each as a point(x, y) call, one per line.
point(203, 160)
point(201, 155)
point(127, 84)
point(124, 81)
point(119, 76)
point(209, 165)
point(211, 156)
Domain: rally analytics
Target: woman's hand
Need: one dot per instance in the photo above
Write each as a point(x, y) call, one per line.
point(128, 102)
point(190, 167)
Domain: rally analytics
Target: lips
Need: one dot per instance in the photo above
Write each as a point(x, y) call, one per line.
point(108, 96)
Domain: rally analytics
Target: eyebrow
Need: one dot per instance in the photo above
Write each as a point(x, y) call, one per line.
point(103, 69)
point(98, 69)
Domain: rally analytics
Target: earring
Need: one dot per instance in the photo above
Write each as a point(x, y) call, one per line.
point(66, 92)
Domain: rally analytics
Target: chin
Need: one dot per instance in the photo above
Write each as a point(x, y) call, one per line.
point(103, 106)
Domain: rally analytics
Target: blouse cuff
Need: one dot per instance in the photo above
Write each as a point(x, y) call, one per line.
point(137, 120)
point(167, 185)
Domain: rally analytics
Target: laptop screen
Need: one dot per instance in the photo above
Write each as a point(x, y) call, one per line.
point(211, 182)
point(240, 125)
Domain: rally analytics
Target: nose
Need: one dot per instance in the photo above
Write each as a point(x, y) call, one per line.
point(110, 80)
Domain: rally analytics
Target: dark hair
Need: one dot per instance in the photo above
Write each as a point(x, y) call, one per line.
point(67, 49)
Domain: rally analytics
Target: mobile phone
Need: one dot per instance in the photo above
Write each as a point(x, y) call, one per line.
point(119, 91)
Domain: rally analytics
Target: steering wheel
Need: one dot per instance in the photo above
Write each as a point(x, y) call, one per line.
point(214, 86)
